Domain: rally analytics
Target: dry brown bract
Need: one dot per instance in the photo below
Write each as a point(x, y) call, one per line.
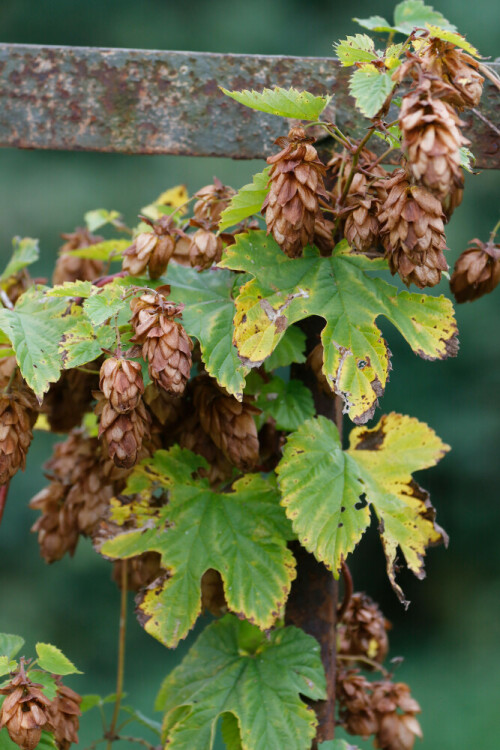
point(363, 630)
point(152, 250)
point(456, 68)
point(205, 248)
point(212, 200)
point(412, 232)
point(355, 706)
point(477, 271)
point(121, 383)
point(166, 347)
point(71, 268)
point(67, 400)
point(395, 708)
point(24, 710)
point(122, 433)
point(291, 207)
point(18, 414)
point(64, 715)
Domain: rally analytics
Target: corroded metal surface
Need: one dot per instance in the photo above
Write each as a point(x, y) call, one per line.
point(149, 102)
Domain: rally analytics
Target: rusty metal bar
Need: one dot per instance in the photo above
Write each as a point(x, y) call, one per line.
point(149, 102)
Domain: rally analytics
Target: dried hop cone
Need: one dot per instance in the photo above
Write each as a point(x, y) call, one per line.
point(291, 207)
point(67, 400)
point(71, 268)
point(165, 344)
point(212, 200)
point(412, 232)
point(121, 382)
point(432, 138)
point(363, 630)
point(205, 249)
point(355, 703)
point(122, 433)
point(152, 250)
point(193, 438)
point(18, 414)
point(477, 271)
point(64, 715)
point(398, 726)
point(228, 422)
point(456, 68)
point(57, 527)
point(142, 570)
point(24, 711)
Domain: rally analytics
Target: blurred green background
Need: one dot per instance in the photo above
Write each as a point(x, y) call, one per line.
point(450, 636)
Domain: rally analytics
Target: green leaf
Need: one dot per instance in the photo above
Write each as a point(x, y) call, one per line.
point(336, 745)
point(35, 326)
point(84, 342)
point(24, 252)
point(48, 682)
point(53, 660)
point(145, 721)
point(370, 89)
point(467, 159)
point(289, 404)
point(355, 49)
point(72, 289)
point(99, 217)
point(106, 250)
point(247, 201)
point(234, 668)
point(107, 303)
point(375, 23)
point(324, 488)
point(5, 742)
point(300, 105)
point(341, 290)
point(230, 730)
point(290, 349)
point(10, 645)
point(89, 701)
point(208, 316)
point(453, 38)
point(241, 533)
point(47, 741)
point(7, 665)
point(412, 14)
point(392, 136)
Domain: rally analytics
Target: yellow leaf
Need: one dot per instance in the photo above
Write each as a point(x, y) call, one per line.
point(173, 198)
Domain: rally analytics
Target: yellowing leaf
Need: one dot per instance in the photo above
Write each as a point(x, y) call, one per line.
point(300, 105)
point(453, 38)
point(242, 534)
point(328, 492)
point(255, 678)
point(354, 49)
point(24, 252)
point(338, 289)
point(172, 198)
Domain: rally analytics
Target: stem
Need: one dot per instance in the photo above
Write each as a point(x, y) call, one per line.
point(86, 369)
point(110, 734)
point(10, 381)
point(5, 299)
point(490, 74)
point(367, 661)
point(485, 120)
point(4, 489)
point(348, 589)
point(139, 741)
point(494, 231)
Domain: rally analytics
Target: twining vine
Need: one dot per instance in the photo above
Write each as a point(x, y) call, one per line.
point(197, 465)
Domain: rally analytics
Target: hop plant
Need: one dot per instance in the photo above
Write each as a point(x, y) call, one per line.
point(24, 711)
point(476, 272)
point(71, 267)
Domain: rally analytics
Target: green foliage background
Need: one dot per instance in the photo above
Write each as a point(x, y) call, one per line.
point(450, 635)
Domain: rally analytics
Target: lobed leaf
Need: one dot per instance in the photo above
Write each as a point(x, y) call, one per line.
point(355, 49)
point(53, 660)
point(288, 403)
point(6, 665)
point(340, 290)
point(170, 199)
point(258, 678)
point(375, 23)
point(290, 349)
point(25, 251)
point(300, 105)
point(247, 201)
point(10, 645)
point(328, 492)
point(370, 88)
point(412, 14)
point(107, 250)
point(99, 217)
point(107, 303)
point(84, 342)
point(241, 533)
point(453, 38)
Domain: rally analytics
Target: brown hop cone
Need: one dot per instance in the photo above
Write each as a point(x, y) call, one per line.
point(152, 250)
point(363, 630)
point(165, 344)
point(355, 703)
point(432, 138)
point(24, 711)
point(291, 207)
point(70, 268)
point(121, 382)
point(18, 414)
point(452, 66)
point(122, 434)
point(395, 710)
point(57, 527)
point(361, 228)
point(166, 410)
point(212, 593)
point(64, 715)
point(17, 285)
point(7, 366)
point(412, 232)
point(315, 362)
point(228, 422)
point(141, 570)
point(205, 249)
point(476, 272)
point(212, 200)
point(67, 400)
point(193, 438)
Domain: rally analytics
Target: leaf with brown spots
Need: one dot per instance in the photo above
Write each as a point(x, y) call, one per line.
point(340, 290)
point(328, 492)
point(241, 533)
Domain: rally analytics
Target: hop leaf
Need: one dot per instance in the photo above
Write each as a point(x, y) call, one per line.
point(25, 252)
point(107, 250)
point(370, 88)
point(322, 487)
point(247, 201)
point(99, 217)
point(408, 15)
point(338, 289)
point(10, 645)
point(289, 404)
point(290, 349)
point(234, 668)
point(453, 38)
point(299, 105)
point(242, 534)
point(53, 660)
point(354, 49)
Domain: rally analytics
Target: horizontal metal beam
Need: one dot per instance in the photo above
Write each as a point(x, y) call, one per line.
point(149, 102)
